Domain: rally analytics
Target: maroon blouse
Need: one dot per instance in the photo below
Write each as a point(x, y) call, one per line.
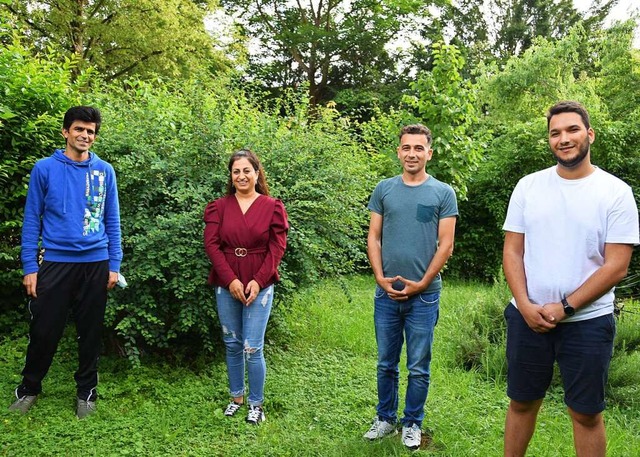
point(245, 246)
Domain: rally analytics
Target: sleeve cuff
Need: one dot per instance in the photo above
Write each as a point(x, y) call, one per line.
point(114, 265)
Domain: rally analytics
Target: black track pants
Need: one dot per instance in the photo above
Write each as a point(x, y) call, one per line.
point(63, 287)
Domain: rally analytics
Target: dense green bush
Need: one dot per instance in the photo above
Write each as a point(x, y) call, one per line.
point(36, 91)
point(515, 100)
point(479, 238)
point(170, 145)
point(445, 103)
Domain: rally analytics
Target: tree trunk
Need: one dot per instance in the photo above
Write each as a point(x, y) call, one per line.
point(78, 27)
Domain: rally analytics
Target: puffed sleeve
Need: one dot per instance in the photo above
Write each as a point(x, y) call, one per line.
point(278, 229)
point(220, 267)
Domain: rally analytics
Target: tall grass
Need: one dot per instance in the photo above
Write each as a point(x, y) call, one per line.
point(321, 392)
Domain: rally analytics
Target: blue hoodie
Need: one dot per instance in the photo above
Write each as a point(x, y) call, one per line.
point(73, 207)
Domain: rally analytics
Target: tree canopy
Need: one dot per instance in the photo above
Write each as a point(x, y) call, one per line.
point(495, 30)
point(122, 37)
point(327, 44)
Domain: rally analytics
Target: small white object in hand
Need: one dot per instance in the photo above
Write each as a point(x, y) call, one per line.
point(121, 281)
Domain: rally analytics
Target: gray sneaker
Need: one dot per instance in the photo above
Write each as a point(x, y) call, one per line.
point(85, 408)
point(411, 436)
point(380, 429)
point(23, 404)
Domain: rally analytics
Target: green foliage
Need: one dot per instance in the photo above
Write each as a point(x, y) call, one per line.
point(521, 21)
point(123, 38)
point(170, 145)
point(523, 150)
point(447, 105)
point(36, 91)
point(320, 394)
point(493, 31)
point(478, 342)
point(515, 100)
point(463, 23)
point(543, 75)
point(624, 375)
point(329, 45)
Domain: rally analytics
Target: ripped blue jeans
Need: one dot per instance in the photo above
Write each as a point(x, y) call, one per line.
point(243, 329)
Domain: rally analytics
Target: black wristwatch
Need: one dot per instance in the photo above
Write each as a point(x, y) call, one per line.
point(568, 309)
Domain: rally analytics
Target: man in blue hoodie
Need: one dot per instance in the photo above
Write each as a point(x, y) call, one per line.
point(72, 213)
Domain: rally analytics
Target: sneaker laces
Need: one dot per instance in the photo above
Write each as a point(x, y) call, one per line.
point(232, 408)
point(412, 432)
point(255, 414)
point(376, 425)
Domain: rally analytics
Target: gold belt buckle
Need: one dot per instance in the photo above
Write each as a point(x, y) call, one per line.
point(240, 252)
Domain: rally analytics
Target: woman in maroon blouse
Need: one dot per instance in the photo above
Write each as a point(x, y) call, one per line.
point(245, 237)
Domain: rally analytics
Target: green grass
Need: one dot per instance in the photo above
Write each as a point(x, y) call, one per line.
point(321, 394)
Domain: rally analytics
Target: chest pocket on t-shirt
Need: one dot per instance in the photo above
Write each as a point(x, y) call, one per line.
point(425, 213)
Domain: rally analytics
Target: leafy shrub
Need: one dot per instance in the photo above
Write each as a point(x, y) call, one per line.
point(445, 103)
point(514, 101)
point(513, 154)
point(36, 91)
point(170, 145)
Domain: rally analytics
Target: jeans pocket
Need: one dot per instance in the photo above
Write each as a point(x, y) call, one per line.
point(379, 292)
point(431, 298)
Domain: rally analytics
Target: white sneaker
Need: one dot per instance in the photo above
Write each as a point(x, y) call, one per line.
point(411, 436)
point(256, 415)
point(232, 408)
point(380, 429)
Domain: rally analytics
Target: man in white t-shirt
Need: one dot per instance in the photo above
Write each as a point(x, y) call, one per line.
point(569, 236)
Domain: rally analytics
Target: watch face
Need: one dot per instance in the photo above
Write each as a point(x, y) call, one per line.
point(568, 309)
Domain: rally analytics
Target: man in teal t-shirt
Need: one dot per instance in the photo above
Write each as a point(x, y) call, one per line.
point(413, 219)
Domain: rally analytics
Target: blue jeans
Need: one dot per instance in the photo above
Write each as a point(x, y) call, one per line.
point(416, 318)
point(243, 329)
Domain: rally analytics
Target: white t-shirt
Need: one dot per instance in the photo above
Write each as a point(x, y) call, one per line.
point(566, 223)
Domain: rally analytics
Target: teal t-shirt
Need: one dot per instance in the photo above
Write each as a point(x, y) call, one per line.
point(410, 217)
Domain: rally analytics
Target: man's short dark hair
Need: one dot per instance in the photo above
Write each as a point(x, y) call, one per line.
point(84, 114)
point(415, 129)
point(569, 106)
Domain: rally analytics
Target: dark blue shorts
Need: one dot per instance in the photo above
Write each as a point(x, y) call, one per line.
point(582, 349)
